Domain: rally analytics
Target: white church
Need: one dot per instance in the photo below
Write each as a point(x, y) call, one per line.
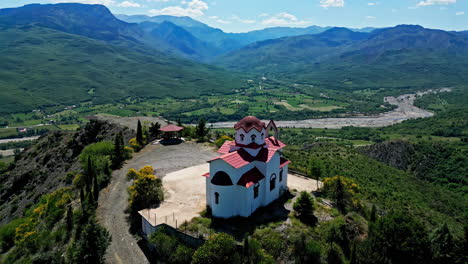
point(250, 172)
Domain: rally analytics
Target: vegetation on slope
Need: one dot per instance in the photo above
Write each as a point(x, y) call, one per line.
point(74, 69)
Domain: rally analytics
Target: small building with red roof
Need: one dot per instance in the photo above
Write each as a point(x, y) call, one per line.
point(250, 172)
point(171, 131)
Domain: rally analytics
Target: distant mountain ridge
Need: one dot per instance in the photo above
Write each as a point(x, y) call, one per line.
point(53, 55)
point(401, 56)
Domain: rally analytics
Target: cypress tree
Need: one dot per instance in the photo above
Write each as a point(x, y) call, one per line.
point(339, 196)
point(95, 188)
point(82, 198)
point(118, 155)
point(373, 215)
point(245, 250)
point(69, 218)
point(201, 129)
point(88, 174)
point(353, 259)
point(139, 135)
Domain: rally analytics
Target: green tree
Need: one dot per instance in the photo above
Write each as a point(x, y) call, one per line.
point(139, 135)
point(316, 170)
point(395, 238)
point(373, 215)
point(154, 130)
point(307, 250)
point(91, 245)
point(165, 244)
point(219, 248)
point(353, 258)
point(304, 207)
point(442, 245)
point(182, 255)
point(119, 151)
point(201, 130)
point(273, 242)
point(334, 254)
point(340, 196)
point(69, 218)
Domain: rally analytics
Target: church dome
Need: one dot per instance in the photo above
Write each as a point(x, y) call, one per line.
point(249, 122)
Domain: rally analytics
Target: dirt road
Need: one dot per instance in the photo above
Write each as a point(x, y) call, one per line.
point(113, 199)
point(405, 110)
point(8, 140)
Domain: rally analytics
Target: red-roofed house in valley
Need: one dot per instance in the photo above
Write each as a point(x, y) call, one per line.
point(250, 172)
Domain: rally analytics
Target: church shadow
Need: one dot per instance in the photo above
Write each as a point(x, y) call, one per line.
point(239, 226)
point(170, 141)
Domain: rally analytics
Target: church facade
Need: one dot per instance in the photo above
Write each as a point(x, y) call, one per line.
point(250, 172)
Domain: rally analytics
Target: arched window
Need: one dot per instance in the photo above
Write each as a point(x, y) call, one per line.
point(256, 187)
point(272, 182)
point(253, 137)
point(216, 198)
point(221, 178)
point(281, 175)
point(242, 136)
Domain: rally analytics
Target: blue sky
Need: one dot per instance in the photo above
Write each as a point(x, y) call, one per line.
point(246, 15)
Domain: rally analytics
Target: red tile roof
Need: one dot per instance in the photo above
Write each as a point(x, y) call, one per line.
point(284, 162)
point(171, 128)
point(226, 147)
point(240, 158)
point(274, 143)
point(250, 178)
point(236, 159)
point(249, 122)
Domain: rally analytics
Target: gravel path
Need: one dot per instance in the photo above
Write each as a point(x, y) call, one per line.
point(113, 199)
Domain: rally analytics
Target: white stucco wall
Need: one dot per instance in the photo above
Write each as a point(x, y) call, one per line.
point(259, 139)
point(238, 200)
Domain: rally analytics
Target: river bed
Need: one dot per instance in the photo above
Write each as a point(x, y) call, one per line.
point(405, 110)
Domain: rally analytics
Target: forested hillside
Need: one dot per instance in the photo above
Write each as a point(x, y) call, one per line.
point(45, 64)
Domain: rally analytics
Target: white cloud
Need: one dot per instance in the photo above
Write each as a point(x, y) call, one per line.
point(371, 4)
point(245, 21)
point(283, 19)
point(214, 17)
point(371, 17)
point(194, 8)
point(90, 2)
point(223, 21)
point(460, 13)
point(129, 4)
point(436, 2)
point(331, 3)
point(263, 15)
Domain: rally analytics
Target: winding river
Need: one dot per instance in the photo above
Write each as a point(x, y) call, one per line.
point(405, 110)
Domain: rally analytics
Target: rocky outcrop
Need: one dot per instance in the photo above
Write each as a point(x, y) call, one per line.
point(397, 153)
point(49, 164)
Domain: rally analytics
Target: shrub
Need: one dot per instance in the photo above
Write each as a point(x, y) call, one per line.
point(220, 248)
point(146, 191)
point(220, 141)
point(132, 174)
point(135, 145)
point(271, 241)
point(182, 255)
point(164, 243)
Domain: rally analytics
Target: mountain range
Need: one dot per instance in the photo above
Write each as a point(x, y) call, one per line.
point(59, 54)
